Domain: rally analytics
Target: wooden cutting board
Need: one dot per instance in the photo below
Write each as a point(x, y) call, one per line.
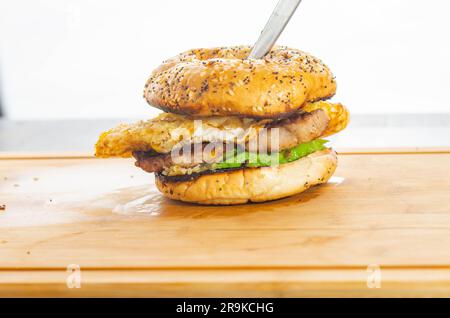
point(380, 227)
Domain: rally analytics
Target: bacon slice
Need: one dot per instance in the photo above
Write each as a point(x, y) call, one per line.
point(294, 130)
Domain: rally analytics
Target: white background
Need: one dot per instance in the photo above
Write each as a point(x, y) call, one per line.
point(90, 59)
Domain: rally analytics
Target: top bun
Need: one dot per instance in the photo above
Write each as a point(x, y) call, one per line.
point(223, 82)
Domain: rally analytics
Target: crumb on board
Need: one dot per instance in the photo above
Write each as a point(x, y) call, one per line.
point(2, 207)
point(35, 179)
point(16, 185)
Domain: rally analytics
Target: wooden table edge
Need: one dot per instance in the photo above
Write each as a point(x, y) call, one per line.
point(341, 151)
point(397, 282)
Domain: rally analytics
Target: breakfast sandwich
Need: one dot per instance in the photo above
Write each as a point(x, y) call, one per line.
point(234, 130)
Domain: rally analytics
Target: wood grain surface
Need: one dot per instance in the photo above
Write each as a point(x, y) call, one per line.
point(382, 217)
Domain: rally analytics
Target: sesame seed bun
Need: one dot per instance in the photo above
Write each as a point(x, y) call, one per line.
point(253, 184)
point(223, 82)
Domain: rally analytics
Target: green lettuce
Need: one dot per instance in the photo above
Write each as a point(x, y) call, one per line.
point(265, 160)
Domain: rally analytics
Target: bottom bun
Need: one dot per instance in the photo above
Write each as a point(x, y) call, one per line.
point(253, 184)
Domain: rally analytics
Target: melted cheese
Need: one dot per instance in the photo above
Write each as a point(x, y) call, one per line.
point(167, 131)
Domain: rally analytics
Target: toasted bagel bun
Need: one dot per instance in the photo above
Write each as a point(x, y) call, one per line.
point(253, 184)
point(223, 82)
